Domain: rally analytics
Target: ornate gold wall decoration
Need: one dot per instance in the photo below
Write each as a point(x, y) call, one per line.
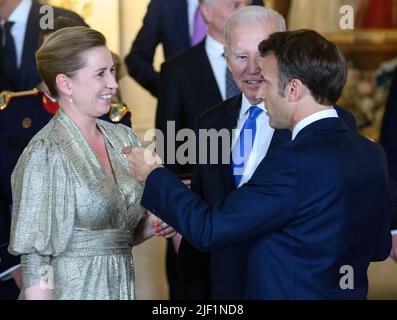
point(365, 49)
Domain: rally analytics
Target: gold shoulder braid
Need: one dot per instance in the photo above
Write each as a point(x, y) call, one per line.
point(6, 96)
point(117, 111)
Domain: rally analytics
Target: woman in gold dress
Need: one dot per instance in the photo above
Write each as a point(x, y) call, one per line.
point(77, 212)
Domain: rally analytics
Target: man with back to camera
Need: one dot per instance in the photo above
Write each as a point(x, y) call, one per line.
point(213, 182)
point(315, 207)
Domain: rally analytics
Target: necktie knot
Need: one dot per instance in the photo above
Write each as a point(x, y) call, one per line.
point(8, 26)
point(254, 112)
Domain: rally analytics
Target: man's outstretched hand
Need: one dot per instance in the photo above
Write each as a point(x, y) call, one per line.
point(141, 162)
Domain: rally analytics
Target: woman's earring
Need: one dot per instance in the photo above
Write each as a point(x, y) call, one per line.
point(71, 99)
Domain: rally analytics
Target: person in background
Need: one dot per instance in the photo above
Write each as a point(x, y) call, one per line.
point(176, 25)
point(19, 40)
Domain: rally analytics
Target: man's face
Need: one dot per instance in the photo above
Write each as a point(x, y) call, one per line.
point(244, 59)
point(217, 13)
point(2, 2)
point(279, 111)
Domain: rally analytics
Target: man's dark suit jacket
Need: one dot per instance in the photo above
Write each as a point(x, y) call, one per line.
point(213, 182)
point(313, 207)
point(388, 139)
point(165, 22)
point(29, 76)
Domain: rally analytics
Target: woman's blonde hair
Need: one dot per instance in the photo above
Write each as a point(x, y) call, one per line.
point(62, 53)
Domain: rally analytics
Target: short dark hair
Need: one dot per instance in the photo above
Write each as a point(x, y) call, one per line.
point(309, 57)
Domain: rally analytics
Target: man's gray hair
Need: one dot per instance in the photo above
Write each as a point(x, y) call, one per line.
point(253, 15)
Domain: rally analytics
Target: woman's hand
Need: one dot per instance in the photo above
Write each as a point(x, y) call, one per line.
point(17, 276)
point(159, 227)
point(165, 230)
point(154, 226)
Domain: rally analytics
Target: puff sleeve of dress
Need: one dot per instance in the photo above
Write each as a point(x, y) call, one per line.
point(43, 208)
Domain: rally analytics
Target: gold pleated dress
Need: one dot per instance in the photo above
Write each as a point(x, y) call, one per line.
point(71, 222)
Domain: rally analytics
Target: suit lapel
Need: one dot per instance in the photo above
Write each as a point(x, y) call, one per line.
point(28, 63)
point(229, 122)
point(279, 137)
point(205, 78)
point(182, 20)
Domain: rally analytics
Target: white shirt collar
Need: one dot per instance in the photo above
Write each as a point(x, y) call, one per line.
point(246, 105)
point(329, 113)
point(21, 12)
point(213, 47)
point(191, 11)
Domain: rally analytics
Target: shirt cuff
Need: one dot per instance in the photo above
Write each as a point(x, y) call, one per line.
point(6, 275)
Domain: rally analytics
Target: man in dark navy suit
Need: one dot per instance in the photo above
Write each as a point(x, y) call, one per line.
point(213, 182)
point(169, 23)
point(316, 210)
point(24, 16)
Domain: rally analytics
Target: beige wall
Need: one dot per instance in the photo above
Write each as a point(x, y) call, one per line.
point(141, 103)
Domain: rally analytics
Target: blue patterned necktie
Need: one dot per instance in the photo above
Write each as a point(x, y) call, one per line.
point(244, 143)
point(231, 87)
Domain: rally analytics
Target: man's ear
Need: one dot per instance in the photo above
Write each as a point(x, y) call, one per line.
point(294, 90)
point(63, 84)
point(205, 12)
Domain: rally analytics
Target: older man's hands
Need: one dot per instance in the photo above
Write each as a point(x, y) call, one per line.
point(141, 162)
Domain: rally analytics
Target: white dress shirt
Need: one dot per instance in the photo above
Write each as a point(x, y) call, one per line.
point(20, 17)
point(214, 50)
point(263, 138)
point(329, 113)
point(191, 11)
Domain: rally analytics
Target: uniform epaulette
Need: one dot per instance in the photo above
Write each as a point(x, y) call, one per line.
point(118, 111)
point(7, 96)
